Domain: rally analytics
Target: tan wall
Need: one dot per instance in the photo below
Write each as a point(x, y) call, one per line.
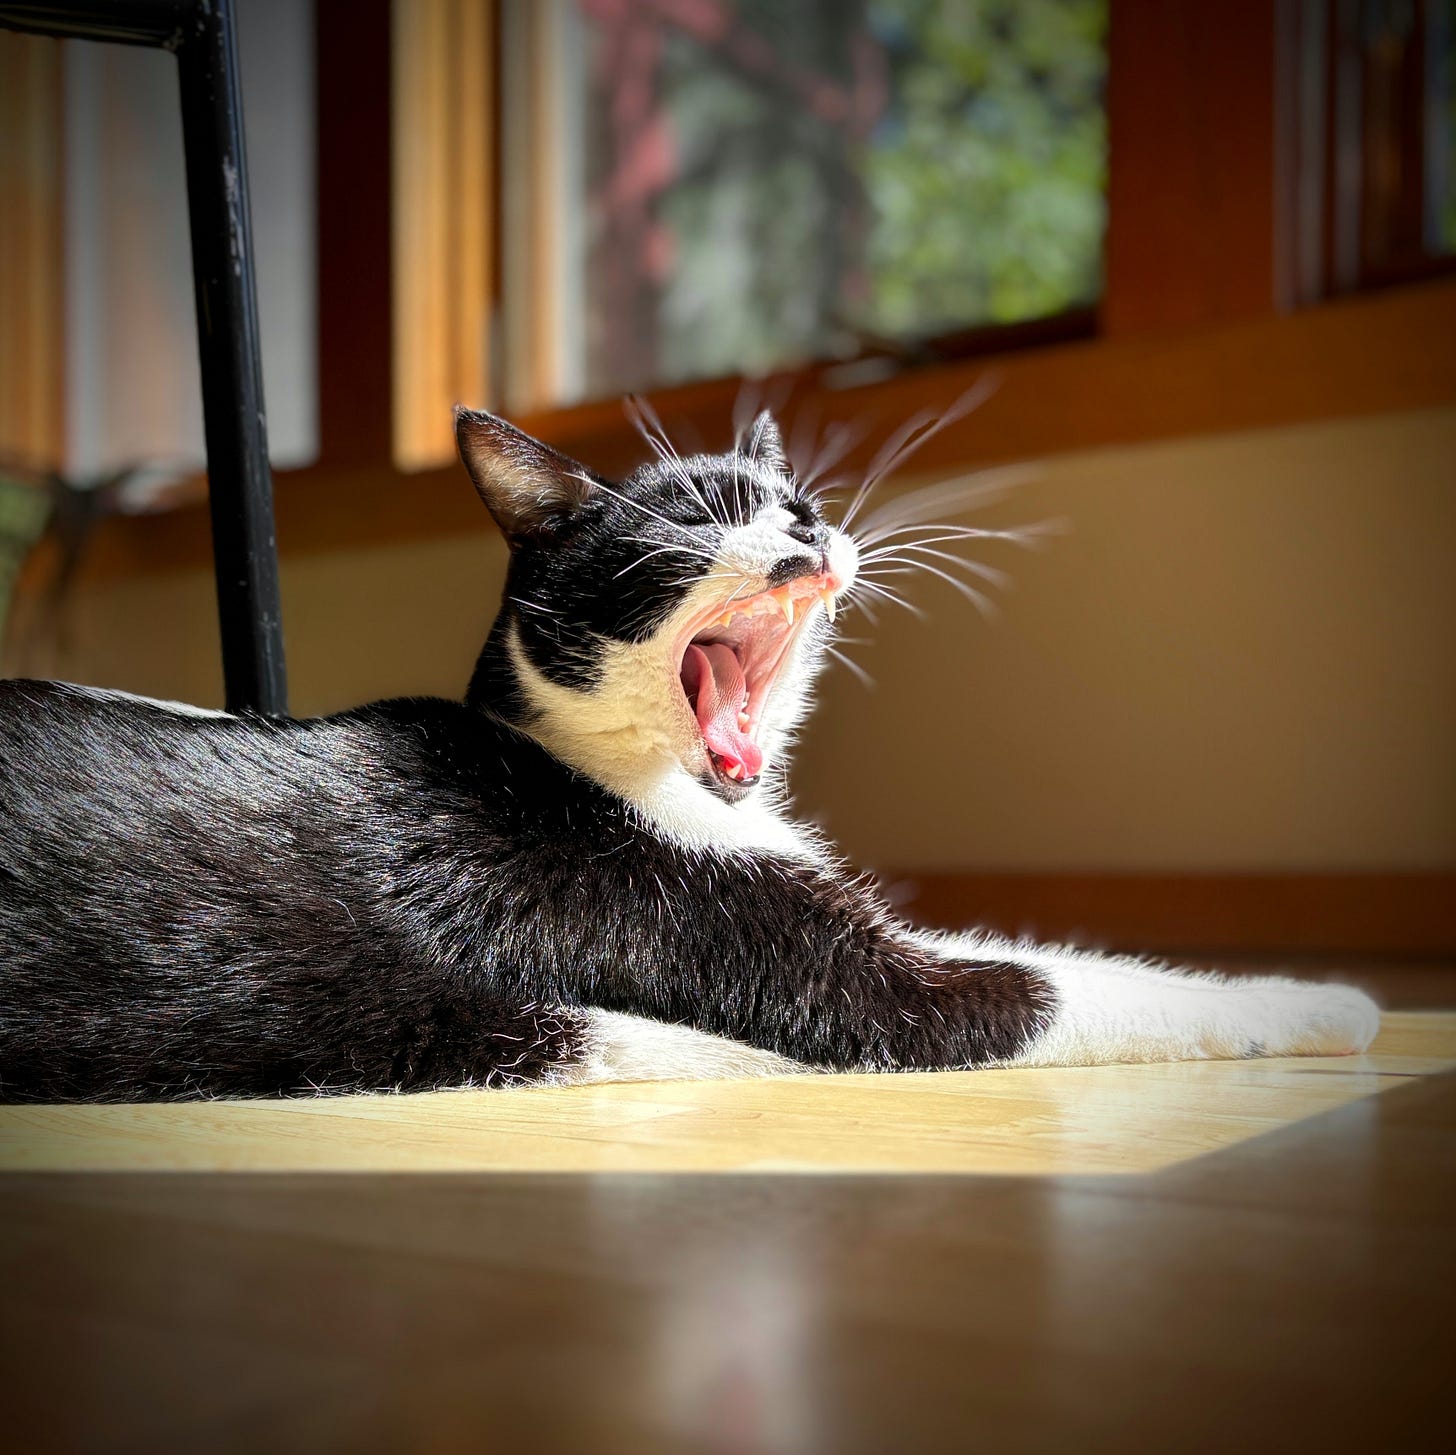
point(1242, 656)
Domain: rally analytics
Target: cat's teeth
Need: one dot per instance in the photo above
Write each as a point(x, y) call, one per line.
point(829, 607)
point(787, 603)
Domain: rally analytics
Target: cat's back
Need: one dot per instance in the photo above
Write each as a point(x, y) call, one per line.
point(56, 735)
point(88, 766)
point(223, 902)
point(65, 747)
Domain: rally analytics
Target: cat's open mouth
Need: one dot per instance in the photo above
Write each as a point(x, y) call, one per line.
point(731, 662)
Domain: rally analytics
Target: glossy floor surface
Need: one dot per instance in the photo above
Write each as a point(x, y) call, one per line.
point(1219, 1257)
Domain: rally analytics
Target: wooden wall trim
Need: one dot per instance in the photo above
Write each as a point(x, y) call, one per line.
point(443, 182)
point(1371, 355)
point(32, 254)
point(1191, 122)
point(1377, 915)
point(353, 76)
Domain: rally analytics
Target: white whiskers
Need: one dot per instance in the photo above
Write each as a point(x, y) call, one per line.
point(645, 420)
point(909, 536)
point(911, 435)
point(848, 661)
point(638, 505)
point(915, 534)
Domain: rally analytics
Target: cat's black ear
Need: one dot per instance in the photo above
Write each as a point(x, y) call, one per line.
point(764, 443)
point(527, 486)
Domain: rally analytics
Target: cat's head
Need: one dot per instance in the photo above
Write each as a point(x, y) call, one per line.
point(666, 624)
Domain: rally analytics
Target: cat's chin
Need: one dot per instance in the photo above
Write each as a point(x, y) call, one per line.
point(729, 660)
point(730, 790)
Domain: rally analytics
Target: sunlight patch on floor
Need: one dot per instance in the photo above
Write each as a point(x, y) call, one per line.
point(1060, 1121)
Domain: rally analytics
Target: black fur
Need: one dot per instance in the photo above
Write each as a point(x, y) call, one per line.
point(414, 894)
point(616, 565)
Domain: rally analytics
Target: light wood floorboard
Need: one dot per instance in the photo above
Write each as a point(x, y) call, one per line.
point(1049, 1120)
point(1231, 1256)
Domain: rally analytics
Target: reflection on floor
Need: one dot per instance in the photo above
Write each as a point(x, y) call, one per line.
point(1289, 1292)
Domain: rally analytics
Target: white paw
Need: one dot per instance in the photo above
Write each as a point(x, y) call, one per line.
point(1325, 1020)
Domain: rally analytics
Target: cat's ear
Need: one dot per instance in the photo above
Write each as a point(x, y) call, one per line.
point(764, 443)
point(527, 486)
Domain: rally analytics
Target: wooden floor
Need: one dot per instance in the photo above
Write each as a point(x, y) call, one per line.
point(1045, 1121)
point(1237, 1256)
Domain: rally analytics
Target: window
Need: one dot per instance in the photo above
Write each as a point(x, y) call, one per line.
point(1371, 88)
point(738, 187)
point(1439, 129)
point(96, 259)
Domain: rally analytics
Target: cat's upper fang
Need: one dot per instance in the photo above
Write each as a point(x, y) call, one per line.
point(758, 632)
point(788, 601)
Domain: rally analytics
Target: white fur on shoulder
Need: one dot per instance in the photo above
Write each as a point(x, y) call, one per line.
point(681, 809)
point(619, 736)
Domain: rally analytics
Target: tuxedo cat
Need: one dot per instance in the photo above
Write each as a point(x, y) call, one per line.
point(585, 871)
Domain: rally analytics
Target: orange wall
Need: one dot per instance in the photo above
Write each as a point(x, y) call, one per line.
point(1242, 656)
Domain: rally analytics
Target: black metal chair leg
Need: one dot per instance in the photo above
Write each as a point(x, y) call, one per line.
point(202, 35)
point(240, 482)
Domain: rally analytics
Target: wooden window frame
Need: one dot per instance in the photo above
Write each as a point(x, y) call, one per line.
point(442, 244)
point(32, 303)
point(1195, 334)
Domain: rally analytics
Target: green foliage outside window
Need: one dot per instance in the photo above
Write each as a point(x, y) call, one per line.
point(851, 170)
point(988, 188)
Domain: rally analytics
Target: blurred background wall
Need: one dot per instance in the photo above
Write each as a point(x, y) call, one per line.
point(1242, 655)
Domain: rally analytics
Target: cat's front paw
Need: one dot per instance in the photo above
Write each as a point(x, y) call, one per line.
point(1328, 1020)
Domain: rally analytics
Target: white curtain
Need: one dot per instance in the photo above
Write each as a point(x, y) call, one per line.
point(132, 389)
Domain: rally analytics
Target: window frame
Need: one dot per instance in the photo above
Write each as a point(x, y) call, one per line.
point(1198, 341)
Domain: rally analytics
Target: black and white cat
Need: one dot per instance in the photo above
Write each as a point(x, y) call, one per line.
point(583, 872)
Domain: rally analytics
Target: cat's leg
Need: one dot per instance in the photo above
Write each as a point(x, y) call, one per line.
point(821, 974)
point(1110, 1008)
point(994, 1003)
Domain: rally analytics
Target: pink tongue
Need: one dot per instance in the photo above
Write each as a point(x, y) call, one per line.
point(715, 686)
